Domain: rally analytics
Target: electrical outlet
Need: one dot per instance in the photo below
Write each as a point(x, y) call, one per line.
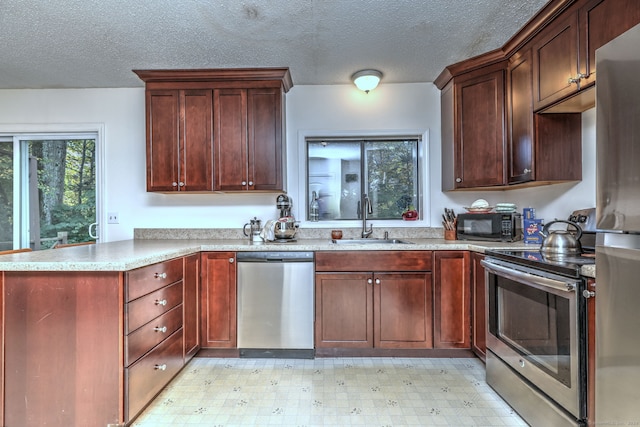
point(113, 218)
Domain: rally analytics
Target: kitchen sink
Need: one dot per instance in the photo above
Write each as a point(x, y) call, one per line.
point(370, 241)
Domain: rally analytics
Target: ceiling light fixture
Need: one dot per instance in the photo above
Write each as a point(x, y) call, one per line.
point(366, 80)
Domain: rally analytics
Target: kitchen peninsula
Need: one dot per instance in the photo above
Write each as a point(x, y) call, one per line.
point(76, 351)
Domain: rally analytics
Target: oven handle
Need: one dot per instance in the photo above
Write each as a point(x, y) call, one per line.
point(539, 282)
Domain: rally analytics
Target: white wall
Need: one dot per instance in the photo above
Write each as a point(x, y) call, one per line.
point(309, 109)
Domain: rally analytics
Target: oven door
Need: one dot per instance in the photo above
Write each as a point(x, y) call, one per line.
point(534, 328)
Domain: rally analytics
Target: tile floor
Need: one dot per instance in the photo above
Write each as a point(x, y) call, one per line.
point(382, 392)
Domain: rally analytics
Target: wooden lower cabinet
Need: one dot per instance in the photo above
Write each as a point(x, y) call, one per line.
point(452, 299)
point(478, 307)
point(402, 310)
point(191, 322)
point(344, 310)
point(62, 335)
point(89, 348)
point(218, 300)
point(365, 309)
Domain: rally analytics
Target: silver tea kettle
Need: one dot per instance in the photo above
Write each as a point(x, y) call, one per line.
point(561, 242)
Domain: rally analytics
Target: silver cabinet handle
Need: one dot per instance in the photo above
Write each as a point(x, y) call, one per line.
point(162, 329)
point(250, 183)
point(162, 367)
point(369, 281)
point(174, 184)
point(160, 275)
point(181, 184)
point(162, 302)
point(231, 260)
point(377, 281)
point(244, 182)
point(458, 179)
point(526, 170)
point(588, 294)
point(577, 78)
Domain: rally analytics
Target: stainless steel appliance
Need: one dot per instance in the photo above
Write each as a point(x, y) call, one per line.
point(586, 220)
point(275, 304)
point(493, 226)
point(285, 228)
point(536, 337)
point(618, 237)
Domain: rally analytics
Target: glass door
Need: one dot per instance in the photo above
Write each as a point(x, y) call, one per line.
point(47, 190)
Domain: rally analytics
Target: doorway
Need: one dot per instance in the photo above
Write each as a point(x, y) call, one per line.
point(48, 190)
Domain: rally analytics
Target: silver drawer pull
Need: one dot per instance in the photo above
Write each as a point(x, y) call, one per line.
point(162, 329)
point(160, 275)
point(162, 367)
point(161, 302)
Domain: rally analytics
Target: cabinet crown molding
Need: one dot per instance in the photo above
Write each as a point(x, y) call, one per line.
point(218, 75)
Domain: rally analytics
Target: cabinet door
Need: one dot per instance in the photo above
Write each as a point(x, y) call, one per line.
point(264, 122)
point(402, 310)
point(344, 310)
point(520, 119)
point(479, 153)
point(230, 139)
point(218, 296)
point(478, 306)
point(451, 283)
point(196, 142)
point(555, 61)
point(62, 348)
point(162, 139)
point(191, 306)
point(601, 21)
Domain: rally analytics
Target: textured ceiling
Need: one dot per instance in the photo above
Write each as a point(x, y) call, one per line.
point(96, 43)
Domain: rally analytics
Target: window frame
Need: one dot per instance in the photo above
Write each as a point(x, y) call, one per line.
point(423, 172)
point(19, 133)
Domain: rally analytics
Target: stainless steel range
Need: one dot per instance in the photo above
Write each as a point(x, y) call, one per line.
point(536, 340)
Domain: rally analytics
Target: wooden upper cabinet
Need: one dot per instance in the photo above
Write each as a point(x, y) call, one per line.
point(473, 146)
point(600, 21)
point(564, 51)
point(215, 130)
point(230, 139)
point(179, 140)
point(555, 61)
point(248, 139)
point(162, 139)
point(265, 150)
point(520, 140)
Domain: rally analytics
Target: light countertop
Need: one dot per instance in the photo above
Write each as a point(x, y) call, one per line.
point(130, 254)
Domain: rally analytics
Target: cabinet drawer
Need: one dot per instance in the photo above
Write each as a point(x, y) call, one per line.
point(147, 377)
point(373, 261)
point(147, 279)
point(153, 333)
point(148, 307)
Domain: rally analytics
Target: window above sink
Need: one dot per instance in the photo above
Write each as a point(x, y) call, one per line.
point(341, 169)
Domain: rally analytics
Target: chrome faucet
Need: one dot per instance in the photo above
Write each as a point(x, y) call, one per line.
point(366, 209)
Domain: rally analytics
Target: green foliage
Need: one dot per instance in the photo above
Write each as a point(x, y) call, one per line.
point(66, 188)
point(392, 177)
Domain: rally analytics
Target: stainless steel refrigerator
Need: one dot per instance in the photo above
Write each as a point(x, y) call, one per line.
point(618, 222)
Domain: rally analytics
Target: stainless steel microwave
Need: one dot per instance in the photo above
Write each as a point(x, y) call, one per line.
point(493, 226)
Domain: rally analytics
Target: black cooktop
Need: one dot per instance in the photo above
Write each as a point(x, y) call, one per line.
point(568, 265)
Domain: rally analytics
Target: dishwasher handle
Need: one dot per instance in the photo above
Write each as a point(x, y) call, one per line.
point(276, 256)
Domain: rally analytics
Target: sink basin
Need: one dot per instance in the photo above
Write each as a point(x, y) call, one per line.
point(370, 241)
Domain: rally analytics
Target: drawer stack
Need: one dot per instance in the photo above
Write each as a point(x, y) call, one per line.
point(154, 341)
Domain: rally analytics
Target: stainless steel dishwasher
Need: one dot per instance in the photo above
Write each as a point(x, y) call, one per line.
point(275, 304)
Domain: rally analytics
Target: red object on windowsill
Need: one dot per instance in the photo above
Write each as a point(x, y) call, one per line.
point(410, 215)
